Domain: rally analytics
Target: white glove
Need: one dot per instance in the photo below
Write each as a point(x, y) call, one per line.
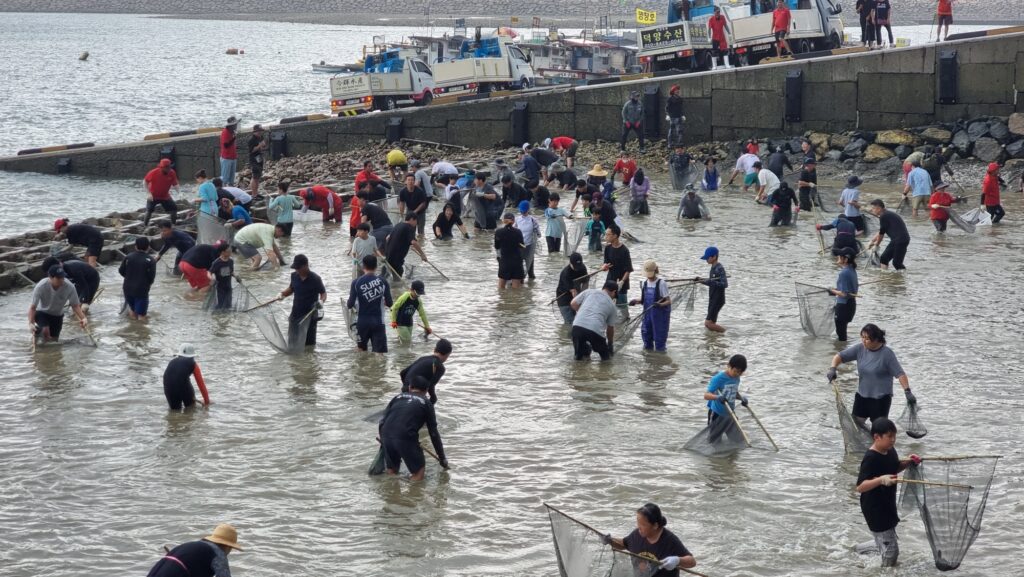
point(935, 206)
point(888, 481)
point(669, 563)
point(683, 118)
point(669, 118)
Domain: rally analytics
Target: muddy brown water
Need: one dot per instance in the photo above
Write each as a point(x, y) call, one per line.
point(97, 474)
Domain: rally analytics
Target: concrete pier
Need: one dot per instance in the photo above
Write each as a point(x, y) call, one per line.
point(869, 90)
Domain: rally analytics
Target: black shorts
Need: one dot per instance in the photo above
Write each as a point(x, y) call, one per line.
point(352, 231)
point(257, 169)
point(397, 451)
point(571, 151)
point(871, 409)
point(858, 222)
point(373, 335)
point(946, 19)
point(781, 35)
point(95, 247)
point(179, 395)
point(715, 304)
point(286, 228)
point(54, 322)
point(511, 269)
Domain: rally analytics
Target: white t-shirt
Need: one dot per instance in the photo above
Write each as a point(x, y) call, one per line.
point(442, 167)
point(239, 194)
point(746, 162)
point(528, 226)
point(768, 180)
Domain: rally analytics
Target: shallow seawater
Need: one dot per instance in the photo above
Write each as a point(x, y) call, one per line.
point(98, 475)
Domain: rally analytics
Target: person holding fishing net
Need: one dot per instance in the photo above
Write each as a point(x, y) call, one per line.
point(845, 291)
point(307, 286)
point(430, 367)
point(400, 427)
point(652, 540)
point(571, 281)
point(723, 388)
point(657, 303)
point(877, 366)
point(876, 484)
point(890, 223)
point(593, 328)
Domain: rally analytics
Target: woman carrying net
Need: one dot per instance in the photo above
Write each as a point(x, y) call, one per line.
point(651, 539)
point(877, 366)
point(845, 291)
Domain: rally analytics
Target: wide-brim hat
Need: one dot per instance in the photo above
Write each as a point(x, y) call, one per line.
point(226, 535)
point(598, 170)
point(232, 121)
point(854, 181)
point(557, 167)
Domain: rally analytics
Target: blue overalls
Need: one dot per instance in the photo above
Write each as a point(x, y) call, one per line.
point(654, 327)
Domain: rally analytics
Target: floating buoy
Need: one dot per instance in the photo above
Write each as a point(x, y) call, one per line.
point(84, 56)
point(232, 51)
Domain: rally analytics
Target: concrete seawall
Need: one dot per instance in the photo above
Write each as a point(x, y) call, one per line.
point(873, 90)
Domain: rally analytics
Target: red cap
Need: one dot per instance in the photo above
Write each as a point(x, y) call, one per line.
point(673, 89)
point(165, 162)
point(993, 167)
point(60, 222)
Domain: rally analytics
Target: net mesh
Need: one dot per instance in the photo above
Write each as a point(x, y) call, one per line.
point(210, 229)
point(378, 465)
point(977, 217)
point(817, 310)
point(581, 552)
point(856, 439)
point(293, 340)
point(239, 300)
point(721, 437)
point(951, 509)
point(574, 236)
point(959, 221)
point(911, 423)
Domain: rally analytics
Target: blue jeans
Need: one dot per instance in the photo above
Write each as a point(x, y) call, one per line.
point(227, 171)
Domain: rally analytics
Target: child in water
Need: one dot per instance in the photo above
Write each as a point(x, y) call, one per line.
point(595, 228)
point(710, 180)
point(220, 273)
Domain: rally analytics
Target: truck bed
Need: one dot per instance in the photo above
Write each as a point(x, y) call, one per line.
point(478, 70)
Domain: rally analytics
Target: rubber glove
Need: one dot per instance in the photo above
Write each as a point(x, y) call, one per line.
point(888, 480)
point(911, 399)
point(669, 563)
point(831, 374)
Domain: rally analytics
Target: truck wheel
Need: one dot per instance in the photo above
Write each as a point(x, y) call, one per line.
point(390, 103)
point(525, 83)
point(835, 42)
point(805, 46)
point(427, 99)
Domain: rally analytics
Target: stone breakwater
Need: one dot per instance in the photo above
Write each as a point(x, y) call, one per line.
point(905, 11)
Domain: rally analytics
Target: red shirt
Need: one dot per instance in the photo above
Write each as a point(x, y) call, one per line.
point(228, 145)
point(781, 18)
point(990, 190)
point(562, 143)
point(946, 7)
point(753, 148)
point(159, 184)
point(628, 169)
point(319, 195)
point(942, 198)
point(357, 212)
point(366, 175)
point(717, 26)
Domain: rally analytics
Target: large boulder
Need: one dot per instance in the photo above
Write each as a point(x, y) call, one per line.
point(962, 142)
point(936, 135)
point(997, 129)
point(834, 155)
point(795, 144)
point(895, 138)
point(877, 153)
point(839, 141)
point(1015, 149)
point(819, 140)
point(988, 149)
point(1016, 123)
point(977, 129)
point(849, 164)
point(855, 148)
point(892, 166)
point(902, 151)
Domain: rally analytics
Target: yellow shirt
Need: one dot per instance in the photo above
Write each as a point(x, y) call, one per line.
point(397, 158)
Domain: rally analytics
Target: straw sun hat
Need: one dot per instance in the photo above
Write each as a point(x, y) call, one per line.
point(598, 171)
point(226, 535)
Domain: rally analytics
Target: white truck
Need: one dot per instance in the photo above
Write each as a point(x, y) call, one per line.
point(482, 65)
point(390, 79)
point(684, 44)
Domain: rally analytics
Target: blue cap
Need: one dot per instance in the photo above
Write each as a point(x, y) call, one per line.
point(524, 206)
point(709, 252)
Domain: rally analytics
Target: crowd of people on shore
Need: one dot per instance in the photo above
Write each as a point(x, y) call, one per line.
point(506, 202)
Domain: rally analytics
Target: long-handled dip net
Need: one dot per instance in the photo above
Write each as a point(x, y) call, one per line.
point(293, 340)
point(959, 221)
point(721, 437)
point(817, 310)
point(856, 439)
point(911, 423)
point(950, 493)
point(581, 552)
point(682, 297)
point(977, 217)
point(238, 301)
point(574, 236)
point(210, 229)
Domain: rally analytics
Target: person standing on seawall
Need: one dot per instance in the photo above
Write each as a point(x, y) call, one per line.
point(781, 19)
point(257, 148)
point(675, 118)
point(207, 557)
point(229, 152)
point(883, 17)
point(632, 119)
point(944, 14)
point(158, 183)
point(717, 27)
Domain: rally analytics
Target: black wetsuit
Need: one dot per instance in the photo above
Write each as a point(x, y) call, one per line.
point(890, 223)
point(400, 431)
point(782, 202)
point(177, 383)
point(508, 241)
point(193, 559)
point(429, 367)
point(304, 297)
point(85, 278)
point(807, 201)
point(85, 235)
point(399, 244)
point(222, 271)
point(180, 240)
point(846, 233)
